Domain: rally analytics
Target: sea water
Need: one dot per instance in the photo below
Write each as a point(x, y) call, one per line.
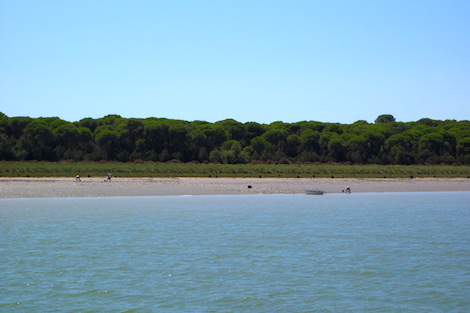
point(396, 252)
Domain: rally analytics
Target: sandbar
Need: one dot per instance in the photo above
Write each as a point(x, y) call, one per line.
point(63, 187)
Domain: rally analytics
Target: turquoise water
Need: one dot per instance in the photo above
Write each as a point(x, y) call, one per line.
point(397, 252)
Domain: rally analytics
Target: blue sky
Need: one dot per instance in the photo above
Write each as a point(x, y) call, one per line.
point(262, 61)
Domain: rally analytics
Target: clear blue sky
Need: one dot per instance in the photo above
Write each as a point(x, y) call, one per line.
point(253, 60)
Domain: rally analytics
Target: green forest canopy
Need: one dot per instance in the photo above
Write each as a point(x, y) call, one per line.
point(114, 138)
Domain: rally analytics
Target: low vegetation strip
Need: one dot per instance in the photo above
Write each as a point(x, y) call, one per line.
point(156, 169)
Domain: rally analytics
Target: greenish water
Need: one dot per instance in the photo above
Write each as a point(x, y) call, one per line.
point(397, 252)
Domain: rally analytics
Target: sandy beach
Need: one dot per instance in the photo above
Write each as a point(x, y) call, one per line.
point(126, 187)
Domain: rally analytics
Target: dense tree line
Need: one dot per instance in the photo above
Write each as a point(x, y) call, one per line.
point(113, 138)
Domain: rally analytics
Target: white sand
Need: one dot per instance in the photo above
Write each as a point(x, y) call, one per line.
point(98, 187)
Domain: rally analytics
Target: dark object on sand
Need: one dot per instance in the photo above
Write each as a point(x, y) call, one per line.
point(314, 192)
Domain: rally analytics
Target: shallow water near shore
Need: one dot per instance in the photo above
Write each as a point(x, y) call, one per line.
point(377, 252)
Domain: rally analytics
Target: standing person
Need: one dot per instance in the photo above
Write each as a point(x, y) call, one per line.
point(110, 176)
point(77, 178)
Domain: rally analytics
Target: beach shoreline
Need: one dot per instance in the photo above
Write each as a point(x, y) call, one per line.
point(64, 187)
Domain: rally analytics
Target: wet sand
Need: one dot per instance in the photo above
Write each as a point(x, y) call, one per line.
point(127, 187)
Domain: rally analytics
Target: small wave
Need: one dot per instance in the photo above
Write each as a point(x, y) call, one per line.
point(3, 305)
point(92, 291)
point(140, 310)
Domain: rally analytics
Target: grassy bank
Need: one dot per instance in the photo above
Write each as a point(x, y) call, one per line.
point(97, 169)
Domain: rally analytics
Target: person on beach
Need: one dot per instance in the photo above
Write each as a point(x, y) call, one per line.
point(110, 176)
point(348, 189)
point(77, 178)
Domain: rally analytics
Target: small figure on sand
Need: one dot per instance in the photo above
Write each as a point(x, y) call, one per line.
point(109, 176)
point(348, 189)
point(77, 178)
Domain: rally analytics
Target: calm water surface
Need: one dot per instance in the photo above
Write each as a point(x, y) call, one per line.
point(400, 252)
